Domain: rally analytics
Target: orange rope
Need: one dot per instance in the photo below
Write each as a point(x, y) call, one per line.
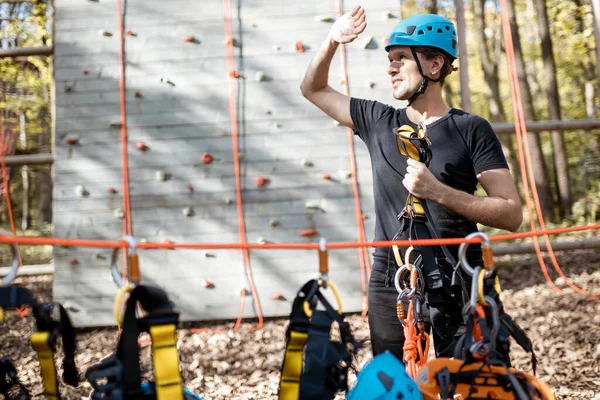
point(7, 193)
point(365, 262)
point(236, 162)
point(53, 241)
point(527, 175)
point(127, 229)
point(413, 345)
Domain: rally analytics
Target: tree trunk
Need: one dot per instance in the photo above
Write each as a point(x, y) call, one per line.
point(558, 143)
point(463, 58)
point(596, 14)
point(432, 7)
point(588, 67)
point(24, 176)
point(540, 171)
point(492, 88)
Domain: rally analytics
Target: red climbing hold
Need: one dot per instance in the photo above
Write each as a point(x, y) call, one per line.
point(207, 158)
point(365, 216)
point(73, 261)
point(85, 71)
point(189, 39)
point(262, 181)
point(326, 176)
point(71, 140)
point(277, 296)
point(300, 47)
point(207, 285)
point(234, 74)
point(141, 146)
point(138, 95)
point(130, 33)
point(308, 232)
point(190, 188)
point(111, 190)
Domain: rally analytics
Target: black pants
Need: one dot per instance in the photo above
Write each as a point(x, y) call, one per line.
point(442, 313)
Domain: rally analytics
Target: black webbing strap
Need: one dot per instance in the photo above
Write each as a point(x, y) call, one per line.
point(10, 385)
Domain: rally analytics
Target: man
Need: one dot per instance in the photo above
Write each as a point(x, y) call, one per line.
point(465, 150)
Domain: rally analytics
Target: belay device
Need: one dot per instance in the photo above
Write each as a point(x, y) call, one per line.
point(118, 377)
point(314, 366)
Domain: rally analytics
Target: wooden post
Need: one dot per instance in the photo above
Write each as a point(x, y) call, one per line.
point(463, 58)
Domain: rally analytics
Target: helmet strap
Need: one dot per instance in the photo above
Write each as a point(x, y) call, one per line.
point(425, 80)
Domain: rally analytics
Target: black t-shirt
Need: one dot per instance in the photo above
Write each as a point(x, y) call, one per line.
point(463, 145)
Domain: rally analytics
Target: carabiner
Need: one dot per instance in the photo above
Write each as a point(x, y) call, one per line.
point(462, 253)
point(132, 254)
point(323, 263)
point(10, 277)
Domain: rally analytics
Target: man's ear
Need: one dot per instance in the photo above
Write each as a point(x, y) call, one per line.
point(437, 63)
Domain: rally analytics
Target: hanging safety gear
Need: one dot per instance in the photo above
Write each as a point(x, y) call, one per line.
point(118, 377)
point(384, 378)
point(323, 370)
point(43, 341)
point(428, 30)
point(480, 369)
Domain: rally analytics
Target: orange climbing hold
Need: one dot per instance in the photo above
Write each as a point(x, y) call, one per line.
point(207, 285)
point(277, 297)
point(130, 33)
point(262, 181)
point(207, 158)
point(234, 74)
point(73, 261)
point(189, 39)
point(308, 232)
point(326, 176)
point(299, 47)
point(111, 190)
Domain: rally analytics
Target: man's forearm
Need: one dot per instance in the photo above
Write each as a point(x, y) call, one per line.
point(495, 212)
point(317, 75)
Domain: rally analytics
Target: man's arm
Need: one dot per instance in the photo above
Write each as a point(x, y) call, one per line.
point(501, 208)
point(315, 85)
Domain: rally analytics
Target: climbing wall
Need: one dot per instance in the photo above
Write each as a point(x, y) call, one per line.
point(295, 162)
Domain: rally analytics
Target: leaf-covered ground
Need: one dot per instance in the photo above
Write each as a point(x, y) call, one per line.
point(218, 363)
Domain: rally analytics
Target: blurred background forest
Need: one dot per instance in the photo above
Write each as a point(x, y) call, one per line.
point(556, 50)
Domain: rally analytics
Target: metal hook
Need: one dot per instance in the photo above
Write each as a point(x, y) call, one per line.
point(114, 270)
point(462, 253)
point(8, 278)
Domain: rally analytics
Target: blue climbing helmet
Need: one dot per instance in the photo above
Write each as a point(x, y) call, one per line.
point(384, 378)
point(425, 30)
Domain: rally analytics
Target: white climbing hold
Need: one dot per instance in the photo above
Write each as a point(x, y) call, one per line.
point(118, 213)
point(228, 201)
point(307, 163)
point(312, 205)
point(260, 76)
point(344, 174)
point(274, 222)
point(261, 240)
point(336, 122)
point(81, 191)
point(160, 176)
point(188, 211)
point(370, 43)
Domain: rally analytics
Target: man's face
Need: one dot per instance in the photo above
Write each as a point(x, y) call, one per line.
point(403, 72)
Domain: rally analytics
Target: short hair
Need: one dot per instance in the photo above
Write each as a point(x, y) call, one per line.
point(431, 52)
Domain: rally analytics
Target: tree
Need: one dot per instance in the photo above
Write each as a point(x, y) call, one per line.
point(558, 143)
point(535, 147)
point(465, 92)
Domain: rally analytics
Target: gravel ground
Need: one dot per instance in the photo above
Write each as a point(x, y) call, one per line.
point(218, 363)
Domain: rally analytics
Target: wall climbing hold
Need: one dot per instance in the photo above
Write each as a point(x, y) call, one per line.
point(308, 232)
point(188, 212)
point(138, 95)
point(81, 191)
point(234, 74)
point(189, 39)
point(105, 33)
point(190, 188)
point(299, 47)
point(307, 163)
point(160, 176)
point(85, 71)
point(73, 261)
point(278, 297)
point(111, 190)
point(129, 32)
point(262, 240)
point(207, 285)
point(206, 158)
point(260, 76)
point(72, 140)
point(118, 213)
point(273, 222)
point(262, 181)
point(324, 18)
point(141, 146)
point(326, 176)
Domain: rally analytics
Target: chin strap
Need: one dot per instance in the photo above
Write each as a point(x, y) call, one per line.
point(424, 82)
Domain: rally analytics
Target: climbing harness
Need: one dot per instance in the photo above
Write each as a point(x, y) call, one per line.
point(44, 340)
point(384, 378)
point(315, 367)
point(409, 312)
point(118, 377)
point(427, 30)
point(480, 369)
point(416, 218)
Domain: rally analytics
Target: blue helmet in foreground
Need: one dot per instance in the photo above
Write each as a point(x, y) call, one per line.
point(384, 378)
point(425, 30)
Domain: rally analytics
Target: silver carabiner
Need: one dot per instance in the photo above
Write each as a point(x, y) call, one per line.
point(462, 253)
point(114, 270)
point(10, 277)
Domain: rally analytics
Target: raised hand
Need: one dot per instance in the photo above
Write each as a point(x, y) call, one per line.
point(349, 26)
